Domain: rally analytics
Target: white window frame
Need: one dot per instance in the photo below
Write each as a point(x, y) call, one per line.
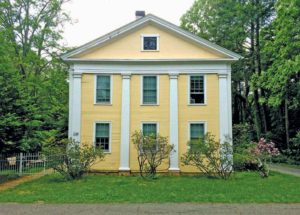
point(196, 122)
point(142, 90)
point(95, 90)
point(189, 87)
point(150, 35)
point(150, 122)
point(110, 134)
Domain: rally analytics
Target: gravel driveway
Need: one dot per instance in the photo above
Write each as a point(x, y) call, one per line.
point(132, 209)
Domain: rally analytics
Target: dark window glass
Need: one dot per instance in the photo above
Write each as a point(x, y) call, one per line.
point(149, 90)
point(197, 90)
point(149, 129)
point(102, 136)
point(103, 89)
point(150, 43)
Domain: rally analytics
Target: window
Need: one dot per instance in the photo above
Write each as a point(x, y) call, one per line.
point(149, 90)
point(149, 129)
point(103, 89)
point(150, 42)
point(197, 130)
point(196, 87)
point(102, 136)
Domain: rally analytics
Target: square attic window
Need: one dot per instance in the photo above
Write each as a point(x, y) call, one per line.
point(150, 42)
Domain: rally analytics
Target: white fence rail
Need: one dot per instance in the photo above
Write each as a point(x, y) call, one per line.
point(23, 164)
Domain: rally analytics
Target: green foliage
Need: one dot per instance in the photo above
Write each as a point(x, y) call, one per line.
point(34, 91)
point(72, 159)
point(294, 152)
point(152, 151)
point(210, 157)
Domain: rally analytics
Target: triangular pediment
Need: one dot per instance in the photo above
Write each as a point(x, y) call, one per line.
point(174, 43)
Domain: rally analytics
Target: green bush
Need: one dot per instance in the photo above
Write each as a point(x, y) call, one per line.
point(210, 156)
point(152, 151)
point(72, 159)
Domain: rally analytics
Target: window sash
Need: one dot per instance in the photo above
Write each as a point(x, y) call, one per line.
point(197, 130)
point(149, 89)
point(102, 136)
point(103, 91)
point(149, 129)
point(150, 43)
point(197, 89)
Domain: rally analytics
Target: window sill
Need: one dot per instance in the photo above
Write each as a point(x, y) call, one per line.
point(149, 50)
point(103, 104)
point(149, 104)
point(197, 104)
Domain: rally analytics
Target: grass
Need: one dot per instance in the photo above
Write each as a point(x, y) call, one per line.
point(244, 187)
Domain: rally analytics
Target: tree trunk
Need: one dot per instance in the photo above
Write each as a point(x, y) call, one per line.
point(286, 120)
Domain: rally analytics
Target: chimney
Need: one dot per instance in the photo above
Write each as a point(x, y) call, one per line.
point(139, 14)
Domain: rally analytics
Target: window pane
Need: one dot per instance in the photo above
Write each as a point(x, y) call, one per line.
point(103, 89)
point(197, 89)
point(149, 129)
point(150, 43)
point(102, 136)
point(149, 89)
point(196, 131)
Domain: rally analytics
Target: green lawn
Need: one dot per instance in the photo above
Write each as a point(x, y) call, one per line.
point(243, 187)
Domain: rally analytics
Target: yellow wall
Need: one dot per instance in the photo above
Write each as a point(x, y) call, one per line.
point(171, 46)
point(144, 113)
point(91, 113)
point(139, 113)
point(208, 113)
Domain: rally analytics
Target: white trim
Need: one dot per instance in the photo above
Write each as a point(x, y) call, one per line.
point(153, 68)
point(95, 90)
point(125, 123)
point(110, 134)
point(189, 87)
point(149, 18)
point(150, 35)
point(150, 122)
point(196, 122)
point(173, 123)
point(142, 90)
point(145, 60)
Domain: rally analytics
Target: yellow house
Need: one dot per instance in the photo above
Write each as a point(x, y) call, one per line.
point(148, 75)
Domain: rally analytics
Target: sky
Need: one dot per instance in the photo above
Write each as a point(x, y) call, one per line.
point(94, 18)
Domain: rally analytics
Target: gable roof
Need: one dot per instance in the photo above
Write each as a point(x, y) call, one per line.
point(149, 18)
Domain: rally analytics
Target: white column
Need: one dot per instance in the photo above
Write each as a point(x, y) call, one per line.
point(70, 100)
point(224, 110)
point(75, 106)
point(125, 123)
point(174, 121)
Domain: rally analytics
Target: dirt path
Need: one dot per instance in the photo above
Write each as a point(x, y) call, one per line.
point(16, 182)
point(285, 169)
point(132, 209)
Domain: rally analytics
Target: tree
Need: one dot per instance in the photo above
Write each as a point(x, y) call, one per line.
point(34, 98)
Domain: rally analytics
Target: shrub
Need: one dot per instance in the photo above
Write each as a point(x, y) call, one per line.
point(72, 159)
point(294, 152)
point(264, 151)
point(210, 157)
point(152, 150)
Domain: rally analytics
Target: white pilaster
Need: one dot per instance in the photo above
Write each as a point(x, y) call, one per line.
point(224, 110)
point(174, 121)
point(75, 106)
point(125, 123)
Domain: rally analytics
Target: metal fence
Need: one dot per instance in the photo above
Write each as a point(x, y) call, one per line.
point(23, 164)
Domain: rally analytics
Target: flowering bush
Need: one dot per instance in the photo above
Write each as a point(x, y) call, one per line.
point(263, 151)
